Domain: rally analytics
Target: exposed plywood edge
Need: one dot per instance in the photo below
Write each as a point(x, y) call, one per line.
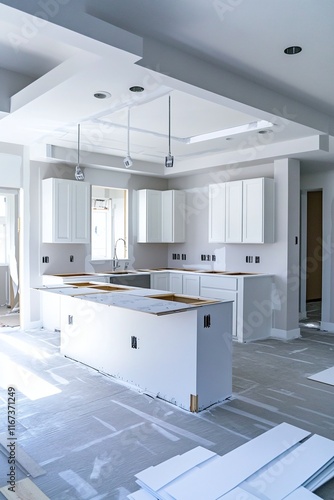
point(24, 460)
point(24, 489)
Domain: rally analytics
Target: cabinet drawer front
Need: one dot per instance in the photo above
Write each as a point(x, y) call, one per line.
point(220, 282)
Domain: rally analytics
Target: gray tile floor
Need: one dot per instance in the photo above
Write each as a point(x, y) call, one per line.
point(94, 434)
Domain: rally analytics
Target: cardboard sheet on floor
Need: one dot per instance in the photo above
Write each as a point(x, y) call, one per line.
point(156, 477)
point(27, 463)
point(326, 376)
point(239, 494)
point(24, 489)
point(302, 494)
point(141, 495)
point(209, 482)
point(294, 468)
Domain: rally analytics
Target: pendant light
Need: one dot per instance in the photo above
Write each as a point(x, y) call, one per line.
point(127, 160)
point(169, 159)
point(79, 175)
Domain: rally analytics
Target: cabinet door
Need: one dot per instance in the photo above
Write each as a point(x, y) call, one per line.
point(160, 281)
point(80, 213)
point(215, 293)
point(234, 212)
point(217, 196)
point(179, 216)
point(149, 216)
point(175, 282)
point(190, 284)
point(252, 199)
point(173, 216)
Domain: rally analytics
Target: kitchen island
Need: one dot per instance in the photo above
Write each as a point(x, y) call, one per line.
point(171, 346)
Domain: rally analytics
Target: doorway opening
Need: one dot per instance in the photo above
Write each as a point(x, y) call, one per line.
point(9, 259)
point(313, 259)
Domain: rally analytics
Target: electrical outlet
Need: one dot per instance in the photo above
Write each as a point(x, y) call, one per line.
point(134, 342)
point(174, 256)
point(213, 258)
point(184, 257)
point(247, 259)
point(251, 259)
point(71, 258)
point(177, 256)
point(204, 257)
point(257, 259)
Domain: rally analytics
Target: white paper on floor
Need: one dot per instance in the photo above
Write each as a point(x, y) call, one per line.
point(326, 376)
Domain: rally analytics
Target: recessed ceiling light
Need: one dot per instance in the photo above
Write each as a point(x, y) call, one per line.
point(294, 49)
point(136, 88)
point(102, 94)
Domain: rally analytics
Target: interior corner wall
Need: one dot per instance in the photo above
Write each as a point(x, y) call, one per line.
point(325, 181)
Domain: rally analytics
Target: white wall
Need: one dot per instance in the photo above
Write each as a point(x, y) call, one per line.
point(10, 165)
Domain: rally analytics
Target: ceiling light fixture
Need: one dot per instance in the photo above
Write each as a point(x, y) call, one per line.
point(294, 49)
point(227, 132)
point(136, 88)
point(79, 175)
point(169, 159)
point(102, 95)
point(127, 160)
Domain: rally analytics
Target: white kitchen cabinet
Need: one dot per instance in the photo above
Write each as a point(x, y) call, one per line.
point(161, 216)
point(160, 281)
point(184, 358)
point(175, 282)
point(65, 211)
point(252, 306)
point(258, 210)
point(190, 284)
point(224, 288)
point(173, 216)
point(217, 200)
point(242, 211)
point(233, 212)
point(149, 216)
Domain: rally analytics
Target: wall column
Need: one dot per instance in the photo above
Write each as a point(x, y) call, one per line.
point(286, 292)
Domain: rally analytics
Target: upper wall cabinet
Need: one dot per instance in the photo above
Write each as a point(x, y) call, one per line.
point(65, 211)
point(161, 216)
point(242, 211)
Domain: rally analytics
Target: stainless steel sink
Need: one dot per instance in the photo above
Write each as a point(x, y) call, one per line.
point(119, 272)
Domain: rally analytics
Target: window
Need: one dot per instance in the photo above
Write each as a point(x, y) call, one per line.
point(109, 223)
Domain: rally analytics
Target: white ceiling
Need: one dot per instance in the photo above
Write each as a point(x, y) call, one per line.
point(222, 63)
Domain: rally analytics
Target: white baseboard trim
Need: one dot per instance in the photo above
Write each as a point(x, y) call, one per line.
point(32, 325)
point(277, 333)
point(328, 327)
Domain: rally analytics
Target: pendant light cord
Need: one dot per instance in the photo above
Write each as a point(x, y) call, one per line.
point(128, 131)
point(169, 127)
point(78, 144)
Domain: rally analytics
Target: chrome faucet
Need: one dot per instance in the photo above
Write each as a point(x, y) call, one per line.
point(115, 263)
